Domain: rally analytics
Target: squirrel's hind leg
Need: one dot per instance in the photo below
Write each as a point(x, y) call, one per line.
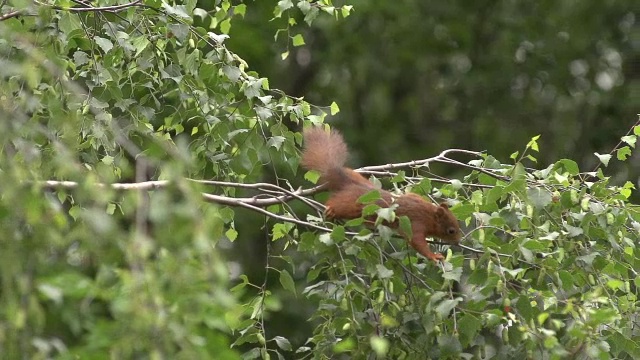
point(344, 204)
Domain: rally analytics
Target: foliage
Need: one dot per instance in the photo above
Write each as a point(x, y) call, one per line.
point(115, 114)
point(126, 92)
point(556, 275)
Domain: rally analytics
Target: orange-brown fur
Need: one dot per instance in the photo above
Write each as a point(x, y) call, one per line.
point(327, 153)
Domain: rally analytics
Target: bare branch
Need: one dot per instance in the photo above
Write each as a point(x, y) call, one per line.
point(284, 195)
point(10, 15)
point(230, 201)
point(145, 185)
point(278, 195)
point(111, 9)
point(441, 158)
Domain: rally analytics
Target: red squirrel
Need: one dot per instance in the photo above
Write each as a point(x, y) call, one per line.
point(326, 152)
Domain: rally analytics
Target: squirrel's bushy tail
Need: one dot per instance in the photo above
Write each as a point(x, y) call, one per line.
point(326, 153)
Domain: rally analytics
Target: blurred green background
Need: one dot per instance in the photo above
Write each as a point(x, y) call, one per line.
point(415, 77)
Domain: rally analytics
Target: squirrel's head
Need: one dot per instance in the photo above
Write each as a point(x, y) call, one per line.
point(448, 226)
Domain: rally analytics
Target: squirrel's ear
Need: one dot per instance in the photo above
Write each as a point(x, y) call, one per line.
point(444, 205)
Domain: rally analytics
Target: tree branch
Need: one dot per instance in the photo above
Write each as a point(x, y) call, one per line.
point(10, 15)
point(256, 203)
point(111, 9)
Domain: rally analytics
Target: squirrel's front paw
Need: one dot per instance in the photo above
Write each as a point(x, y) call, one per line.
point(435, 257)
point(329, 213)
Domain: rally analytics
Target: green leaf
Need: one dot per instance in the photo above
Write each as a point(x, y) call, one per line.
point(469, 327)
point(105, 44)
point(604, 159)
point(449, 345)
point(276, 142)
point(346, 10)
point(344, 345)
point(240, 9)
point(111, 208)
point(338, 234)
point(311, 15)
point(567, 279)
point(369, 197)
point(533, 143)
point(304, 6)
point(313, 273)
point(69, 23)
point(452, 273)
point(379, 345)
point(285, 5)
point(52, 293)
point(108, 160)
point(525, 309)
point(424, 187)
point(493, 196)
point(388, 214)
point(539, 197)
point(225, 26)
point(623, 153)
point(334, 108)
point(287, 281)
point(312, 176)
point(573, 231)
point(630, 139)
point(328, 9)
point(232, 72)
point(620, 342)
point(626, 189)
point(445, 307)
point(383, 272)
point(326, 239)
point(615, 284)
point(298, 40)
point(80, 58)
point(140, 43)
point(231, 234)
point(464, 212)
point(75, 212)
point(283, 343)
point(569, 166)
point(603, 316)
point(405, 226)
point(178, 11)
point(456, 184)
point(280, 230)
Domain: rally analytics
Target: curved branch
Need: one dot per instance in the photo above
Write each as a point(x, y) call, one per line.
point(10, 15)
point(229, 201)
point(442, 158)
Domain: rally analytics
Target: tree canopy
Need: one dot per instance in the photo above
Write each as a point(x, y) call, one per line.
point(152, 204)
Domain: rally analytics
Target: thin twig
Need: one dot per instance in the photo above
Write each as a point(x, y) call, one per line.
point(229, 201)
point(10, 15)
point(111, 9)
point(619, 143)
